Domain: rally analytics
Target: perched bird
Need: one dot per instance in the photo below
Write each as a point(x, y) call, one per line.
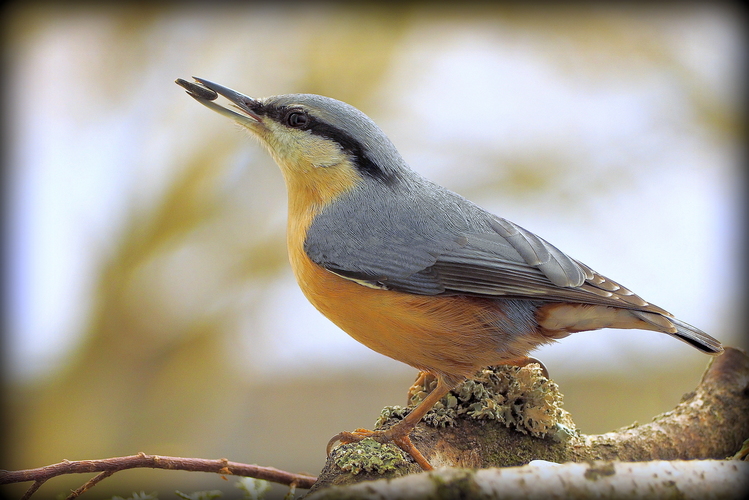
point(412, 270)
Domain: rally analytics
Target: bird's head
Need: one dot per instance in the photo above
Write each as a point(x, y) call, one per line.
point(320, 143)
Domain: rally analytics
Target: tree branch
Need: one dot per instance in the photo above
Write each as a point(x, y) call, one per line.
point(506, 417)
point(509, 416)
point(108, 466)
point(710, 422)
point(687, 480)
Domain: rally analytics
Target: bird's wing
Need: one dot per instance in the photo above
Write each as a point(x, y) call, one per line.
point(480, 267)
point(425, 253)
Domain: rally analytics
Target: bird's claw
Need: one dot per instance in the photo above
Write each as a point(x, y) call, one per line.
point(347, 437)
point(402, 441)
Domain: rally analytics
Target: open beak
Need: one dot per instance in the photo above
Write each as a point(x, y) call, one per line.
point(205, 92)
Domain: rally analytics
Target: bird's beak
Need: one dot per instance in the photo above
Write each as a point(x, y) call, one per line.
point(205, 92)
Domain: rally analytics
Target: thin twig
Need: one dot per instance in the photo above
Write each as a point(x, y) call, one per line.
point(109, 466)
point(90, 483)
point(32, 489)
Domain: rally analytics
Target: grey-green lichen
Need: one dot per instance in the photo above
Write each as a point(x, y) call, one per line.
point(519, 397)
point(368, 455)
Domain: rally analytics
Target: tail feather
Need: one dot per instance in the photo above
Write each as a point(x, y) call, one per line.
point(682, 331)
point(695, 337)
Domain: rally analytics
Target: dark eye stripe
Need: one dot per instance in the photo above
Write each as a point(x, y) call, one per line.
point(345, 140)
point(354, 148)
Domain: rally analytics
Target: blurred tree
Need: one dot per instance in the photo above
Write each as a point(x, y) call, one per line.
point(156, 370)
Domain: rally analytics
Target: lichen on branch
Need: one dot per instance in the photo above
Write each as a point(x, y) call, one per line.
point(518, 397)
point(509, 416)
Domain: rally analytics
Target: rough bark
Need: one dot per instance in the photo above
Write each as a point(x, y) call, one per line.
point(715, 479)
point(710, 423)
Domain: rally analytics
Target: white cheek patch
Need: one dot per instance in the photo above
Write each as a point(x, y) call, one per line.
point(330, 160)
point(316, 150)
point(299, 147)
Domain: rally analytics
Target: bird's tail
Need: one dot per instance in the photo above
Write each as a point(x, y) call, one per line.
point(696, 337)
point(682, 331)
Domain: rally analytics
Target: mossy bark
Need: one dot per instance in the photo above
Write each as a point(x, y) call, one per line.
point(710, 423)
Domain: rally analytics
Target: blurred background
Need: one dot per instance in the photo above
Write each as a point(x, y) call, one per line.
point(149, 305)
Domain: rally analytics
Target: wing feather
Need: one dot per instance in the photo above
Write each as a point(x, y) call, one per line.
point(433, 242)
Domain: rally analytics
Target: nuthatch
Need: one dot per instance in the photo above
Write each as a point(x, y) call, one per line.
point(412, 270)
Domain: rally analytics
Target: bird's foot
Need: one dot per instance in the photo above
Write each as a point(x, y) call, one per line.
point(347, 437)
point(392, 435)
point(421, 385)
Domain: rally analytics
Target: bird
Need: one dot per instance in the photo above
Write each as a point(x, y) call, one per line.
point(413, 270)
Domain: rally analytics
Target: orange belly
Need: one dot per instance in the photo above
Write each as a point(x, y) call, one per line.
point(453, 336)
point(446, 335)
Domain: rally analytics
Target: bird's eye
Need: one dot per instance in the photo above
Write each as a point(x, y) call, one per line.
point(297, 119)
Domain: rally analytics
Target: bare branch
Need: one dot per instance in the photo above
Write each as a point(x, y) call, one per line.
point(108, 466)
point(660, 479)
point(710, 422)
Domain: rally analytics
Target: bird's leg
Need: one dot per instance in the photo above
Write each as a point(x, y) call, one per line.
point(398, 434)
